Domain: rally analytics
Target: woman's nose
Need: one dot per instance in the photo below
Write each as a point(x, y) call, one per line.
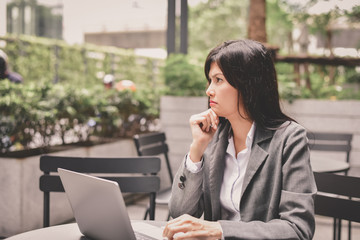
point(210, 91)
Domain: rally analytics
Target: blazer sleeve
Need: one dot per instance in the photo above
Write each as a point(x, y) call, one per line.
point(296, 205)
point(186, 194)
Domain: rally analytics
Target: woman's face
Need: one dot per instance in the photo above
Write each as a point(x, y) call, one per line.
point(223, 96)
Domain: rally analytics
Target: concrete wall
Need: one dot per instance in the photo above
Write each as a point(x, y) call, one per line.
point(21, 201)
point(315, 115)
point(329, 116)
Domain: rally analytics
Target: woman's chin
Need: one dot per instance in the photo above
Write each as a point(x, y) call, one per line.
point(217, 112)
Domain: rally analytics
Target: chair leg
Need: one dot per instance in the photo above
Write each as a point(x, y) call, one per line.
point(334, 228)
point(339, 229)
point(46, 209)
point(152, 206)
point(349, 222)
point(349, 231)
point(146, 213)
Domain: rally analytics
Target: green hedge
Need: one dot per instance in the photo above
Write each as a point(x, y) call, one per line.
point(31, 115)
point(63, 93)
point(48, 60)
point(183, 77)
point(345, 84)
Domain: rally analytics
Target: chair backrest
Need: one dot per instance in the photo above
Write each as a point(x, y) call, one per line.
point(333, 142)
point(110, 168)
point(153, 144)
point(336, 195)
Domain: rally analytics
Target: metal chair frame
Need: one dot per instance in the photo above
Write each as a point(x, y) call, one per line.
point(115, 169)
point(335, 199)
point(154, 144)
point(332, 142)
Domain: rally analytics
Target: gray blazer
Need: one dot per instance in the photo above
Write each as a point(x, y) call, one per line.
point(277, 200)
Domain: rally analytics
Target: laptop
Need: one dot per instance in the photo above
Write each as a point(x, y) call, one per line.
point(100, 211)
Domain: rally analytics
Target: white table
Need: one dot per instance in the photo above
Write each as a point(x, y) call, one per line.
point(322, 164)
point(63, 232)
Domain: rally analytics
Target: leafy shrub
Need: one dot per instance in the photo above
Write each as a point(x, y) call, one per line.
point(54, 61)
point(183, 78)
point(35, 115)
point(63, 99)
point(322, 87)
point(354, 77)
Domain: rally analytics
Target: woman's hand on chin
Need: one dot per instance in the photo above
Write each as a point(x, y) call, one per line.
point(203, 127)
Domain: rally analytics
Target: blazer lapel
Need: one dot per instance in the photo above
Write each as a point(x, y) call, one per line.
point(216, 171)
point(257, 156)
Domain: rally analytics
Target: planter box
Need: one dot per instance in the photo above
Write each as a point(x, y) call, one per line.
point(21, 202)
point(315, 115)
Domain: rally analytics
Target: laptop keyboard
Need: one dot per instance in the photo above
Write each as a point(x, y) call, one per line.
point(144, 230)
point(140, 236)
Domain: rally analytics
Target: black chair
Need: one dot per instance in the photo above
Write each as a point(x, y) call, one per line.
point(335, 199)
point(332, 142)
point(110, 168)
point(154, 144)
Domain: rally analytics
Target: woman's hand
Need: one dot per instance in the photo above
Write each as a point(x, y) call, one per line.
point(203, 127)
point(188, 227)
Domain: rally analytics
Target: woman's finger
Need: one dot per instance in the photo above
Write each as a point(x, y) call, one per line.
point(202, 121)
point(208, 122)
point(183, 223)
point(214, 119)
point(172, 224)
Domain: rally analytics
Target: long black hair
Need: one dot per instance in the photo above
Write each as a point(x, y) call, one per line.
point(248, 66)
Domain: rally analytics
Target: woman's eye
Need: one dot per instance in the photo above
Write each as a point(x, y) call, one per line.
point(219, 79)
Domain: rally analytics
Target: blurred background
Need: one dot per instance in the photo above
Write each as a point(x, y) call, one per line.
point(76, 49)
point(80, 73)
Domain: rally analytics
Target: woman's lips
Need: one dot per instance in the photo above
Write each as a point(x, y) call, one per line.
point(212, 103)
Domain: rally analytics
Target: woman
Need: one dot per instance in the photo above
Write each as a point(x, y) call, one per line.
point(248, 169)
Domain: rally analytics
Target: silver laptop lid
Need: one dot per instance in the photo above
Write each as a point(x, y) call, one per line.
point(98, 206)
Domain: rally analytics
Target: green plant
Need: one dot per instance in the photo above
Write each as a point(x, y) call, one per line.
point(214, 21)
point(63, 93)
point(54, 61)
point(18, 112)
point(352, 76)
point(183, 78)
point(34, 115)
point(321, 86)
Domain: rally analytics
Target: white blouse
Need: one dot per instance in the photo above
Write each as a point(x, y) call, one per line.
point(234, 173)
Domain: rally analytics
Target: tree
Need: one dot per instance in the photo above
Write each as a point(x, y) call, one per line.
point(215, 21)
point(257, 21)
point(354, 14)
point(279, 25)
